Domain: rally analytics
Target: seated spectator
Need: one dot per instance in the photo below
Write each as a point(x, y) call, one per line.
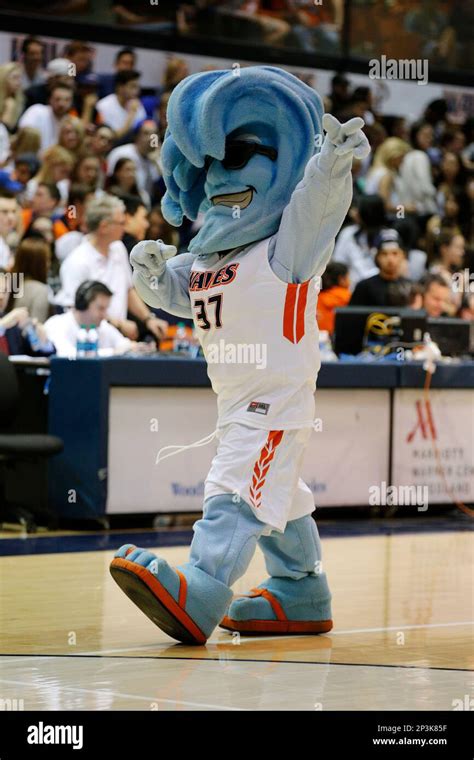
point(17, 327)
point(125, 60)
point(87, 172)
point(383, 175)
point(102, 256)
point(334, 293)
point(417, 258)
point(32, 51)
point(160, 229)
point(47, 118)
point(436, 296)
point(58, 71)
point(75, 220)
point(99, 145)
point(71, 135)
point(124, 182)
point(32, 260)
point(26, 140)
point(8, 223)
point(56, 169)
point(355, 243)
point(45, 202)
point(12, 99)
point(91, 304)
point(136, 221)
point(143, 152)
point(391, 260)
point(123, 110)
point(449, 258)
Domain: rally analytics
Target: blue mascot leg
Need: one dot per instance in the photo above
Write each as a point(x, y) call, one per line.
point(187, 602)
point(296, 597)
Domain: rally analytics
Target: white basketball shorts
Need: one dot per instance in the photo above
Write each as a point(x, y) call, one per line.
point(263, 468)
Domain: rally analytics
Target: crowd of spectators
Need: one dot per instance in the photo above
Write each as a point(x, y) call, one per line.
point(81, 184)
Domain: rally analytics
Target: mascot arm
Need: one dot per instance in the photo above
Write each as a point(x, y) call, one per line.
point(161, 283)
point(319, 204)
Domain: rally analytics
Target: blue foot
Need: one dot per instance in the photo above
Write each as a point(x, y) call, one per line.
point(283, 606)
point(185, 602)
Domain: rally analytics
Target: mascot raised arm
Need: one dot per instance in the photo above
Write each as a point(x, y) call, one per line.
point(245, 148)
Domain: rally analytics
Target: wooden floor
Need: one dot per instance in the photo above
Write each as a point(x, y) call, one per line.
point(403, 612)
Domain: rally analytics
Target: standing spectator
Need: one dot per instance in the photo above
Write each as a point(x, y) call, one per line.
point(355, 245)
point(32, 261)
point(123, 110)
point(391, 260)
point(47, 119)
point(8, 223)
point(143, 153)
point(125, 60)
point(12, 99)
point(102, 256)
point(32, 51)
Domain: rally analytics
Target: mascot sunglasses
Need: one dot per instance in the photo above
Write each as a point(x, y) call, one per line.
point(239, 152)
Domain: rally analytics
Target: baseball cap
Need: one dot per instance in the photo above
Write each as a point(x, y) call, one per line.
point(58, 67)
point(387, 239)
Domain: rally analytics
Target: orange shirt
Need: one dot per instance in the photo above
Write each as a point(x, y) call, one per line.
point(328, 300)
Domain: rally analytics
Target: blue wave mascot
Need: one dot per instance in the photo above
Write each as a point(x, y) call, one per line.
point(245, 149)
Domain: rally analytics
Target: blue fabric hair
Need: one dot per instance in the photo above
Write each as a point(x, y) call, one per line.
point(272, 106)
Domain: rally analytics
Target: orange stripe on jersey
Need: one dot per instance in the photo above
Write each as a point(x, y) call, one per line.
point(262, 466)
point(289, 312)
point(300, 309)
point(294, 312)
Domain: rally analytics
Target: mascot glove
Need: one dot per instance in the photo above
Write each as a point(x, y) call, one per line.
point(343, 140)
point(149, 257)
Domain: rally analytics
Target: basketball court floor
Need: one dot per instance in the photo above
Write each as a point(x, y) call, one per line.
point(402, 640)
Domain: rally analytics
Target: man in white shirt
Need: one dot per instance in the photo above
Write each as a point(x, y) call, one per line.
point(122, 110)
point(140, 152)
point(91, 303)
point(102, 256)
point(8, 222)
point(47, 119)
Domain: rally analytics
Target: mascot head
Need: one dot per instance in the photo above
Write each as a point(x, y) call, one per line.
point(236, 146)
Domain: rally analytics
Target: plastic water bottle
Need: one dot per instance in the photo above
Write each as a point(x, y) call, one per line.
point(92, 342)
point(82, 343)
point(181, 341)
point(29, 331)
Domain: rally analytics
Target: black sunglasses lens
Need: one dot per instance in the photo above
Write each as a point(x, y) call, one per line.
point(237, 154)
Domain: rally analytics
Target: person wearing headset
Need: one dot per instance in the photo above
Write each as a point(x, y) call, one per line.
point(91, 303)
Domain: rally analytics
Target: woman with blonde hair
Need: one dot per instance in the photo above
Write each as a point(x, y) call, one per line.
point(56, 168)
point(12, 99)
point(382, 177)
point(71, 135)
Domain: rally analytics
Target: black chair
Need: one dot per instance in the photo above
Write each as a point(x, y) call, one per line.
point(16, 447)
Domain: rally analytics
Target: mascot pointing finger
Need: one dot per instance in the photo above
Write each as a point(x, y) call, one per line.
point(246, 151)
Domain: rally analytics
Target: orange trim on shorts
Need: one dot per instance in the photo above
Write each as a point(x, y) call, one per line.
point(262, 465)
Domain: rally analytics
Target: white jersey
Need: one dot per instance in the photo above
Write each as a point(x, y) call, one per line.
point(260, 339)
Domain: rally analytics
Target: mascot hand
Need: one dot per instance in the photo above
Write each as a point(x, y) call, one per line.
point(149, 257)
point(346, 138)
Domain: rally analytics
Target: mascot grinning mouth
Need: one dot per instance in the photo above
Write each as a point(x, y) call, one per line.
point(242, 199)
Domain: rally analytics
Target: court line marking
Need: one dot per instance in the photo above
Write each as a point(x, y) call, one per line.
point(247, 639)
point(106, 692)
point(220, 660)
